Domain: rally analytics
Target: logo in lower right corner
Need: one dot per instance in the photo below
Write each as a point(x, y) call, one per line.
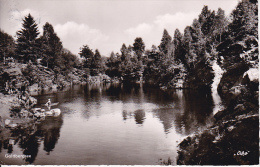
point(242, 153)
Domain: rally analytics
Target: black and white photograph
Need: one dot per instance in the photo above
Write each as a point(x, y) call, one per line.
point(129, 82)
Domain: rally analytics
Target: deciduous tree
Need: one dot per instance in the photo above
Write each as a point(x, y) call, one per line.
point(7, 45)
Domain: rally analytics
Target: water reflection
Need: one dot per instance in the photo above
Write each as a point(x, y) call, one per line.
point(30, 136)
point(50, 130)
point(187, 110)
point(126, 115)
point(10, 148)
point(31, 147)
point(166, 117)
point(139, 116)
point(47, 131)
point(98, 120)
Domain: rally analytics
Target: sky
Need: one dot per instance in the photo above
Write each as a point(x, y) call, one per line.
point(107, 24)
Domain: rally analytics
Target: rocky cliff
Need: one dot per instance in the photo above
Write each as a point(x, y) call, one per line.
point(234, 138)
point(37, 77)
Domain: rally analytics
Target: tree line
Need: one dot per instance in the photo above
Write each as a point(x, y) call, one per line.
point(30, 47)
point(184, 59)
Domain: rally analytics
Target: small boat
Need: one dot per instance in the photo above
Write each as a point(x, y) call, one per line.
point(48, 113)
point(54, 112)
point(53, 104)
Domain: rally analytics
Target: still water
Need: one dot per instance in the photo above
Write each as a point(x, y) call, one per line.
point(112, 124)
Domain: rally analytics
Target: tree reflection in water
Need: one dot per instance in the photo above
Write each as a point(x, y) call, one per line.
point(197, 111)
point(186, 110)
point(10, 148)
point(180, 112)
point(139, 116)
point(51, 132)
point(127, 114)
point(190, 110)
point(30, 136)
point(166, 117)
point(124, 114)
point(31, 147)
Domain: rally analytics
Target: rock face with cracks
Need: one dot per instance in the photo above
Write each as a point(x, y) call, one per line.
point(234, 138)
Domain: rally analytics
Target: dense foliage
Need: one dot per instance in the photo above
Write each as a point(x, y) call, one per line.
point(7, 45)
point(184, 60)
point(28, 45)
point(241, 38)
point(51, 46)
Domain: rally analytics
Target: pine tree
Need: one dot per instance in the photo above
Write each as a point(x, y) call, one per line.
point(241, 42)
point(179, 53)
point(27, 43)
point(139, 47)
point(87, 54)
point(96, 60)
point(51, 46)
point(165, 42)
point(187, 41)
point(112, 65)
point(220, 25)
point(197, 49)
point(245, 19)
point(205, 13)
point(206, 28)
point(124, 52)
point(95, 63)
point(125, 63)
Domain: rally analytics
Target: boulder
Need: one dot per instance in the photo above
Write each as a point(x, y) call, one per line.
point(35, 110)
point(12, 126)
point(34, 88)
point(253, 74)
point(7, 122)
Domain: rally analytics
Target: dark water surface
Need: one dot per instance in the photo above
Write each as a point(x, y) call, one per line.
point(112, 125)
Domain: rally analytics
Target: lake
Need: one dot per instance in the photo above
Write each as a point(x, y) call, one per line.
point(111, 124)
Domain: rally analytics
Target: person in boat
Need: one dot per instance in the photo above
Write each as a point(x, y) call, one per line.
point(48, 104)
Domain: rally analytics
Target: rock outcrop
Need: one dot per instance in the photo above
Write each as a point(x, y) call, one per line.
point(37, 77)
point(233, 139)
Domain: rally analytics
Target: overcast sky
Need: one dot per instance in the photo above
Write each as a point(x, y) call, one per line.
point(107, 24)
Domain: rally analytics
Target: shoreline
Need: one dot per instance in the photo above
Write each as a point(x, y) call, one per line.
point(233, 138)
